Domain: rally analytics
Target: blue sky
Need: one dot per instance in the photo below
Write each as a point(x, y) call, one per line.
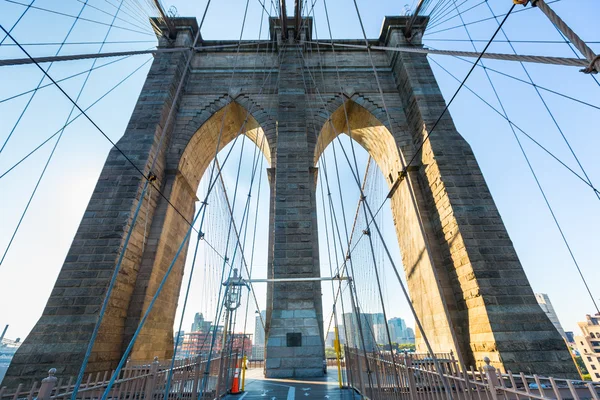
point(31, 266)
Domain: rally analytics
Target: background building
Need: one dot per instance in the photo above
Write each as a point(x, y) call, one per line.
point(200, 324)
point(199, 343)
point(589, 345)
point(544, 302)
point(258, 349)
point(8, 348)
point(400, 333)
point(372, 328)
point(259, 330)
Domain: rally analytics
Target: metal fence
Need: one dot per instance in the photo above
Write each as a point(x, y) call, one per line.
point(414, 376)
point(139, 381)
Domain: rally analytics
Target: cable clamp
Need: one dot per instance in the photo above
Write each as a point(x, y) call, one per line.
point(591, 68)
point(348, 257)
point(363, 197)
point(367, 232)
point(152, 177)
point(401, 176)
point(201, 235)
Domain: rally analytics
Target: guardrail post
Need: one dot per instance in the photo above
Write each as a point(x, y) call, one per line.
point(410, 373)
point(48, 385)
point(151, 380)
point(492, 378)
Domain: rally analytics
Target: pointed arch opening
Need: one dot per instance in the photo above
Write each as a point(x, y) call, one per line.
point(367, 131)
point(222, 128)
point(191, 155)
point(420, 274)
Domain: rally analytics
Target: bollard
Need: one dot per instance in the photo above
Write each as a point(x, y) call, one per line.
point(244, 368)
point(151, 380)
point(492, 378)
point(48, 385)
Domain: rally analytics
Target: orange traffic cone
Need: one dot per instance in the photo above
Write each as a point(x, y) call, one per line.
point(235, 385)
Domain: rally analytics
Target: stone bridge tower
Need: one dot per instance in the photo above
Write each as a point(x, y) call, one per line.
point(464, 276)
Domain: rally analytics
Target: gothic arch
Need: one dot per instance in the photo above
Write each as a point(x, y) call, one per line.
point(424, 279)
point(367, 131)
point(221, 127)
point(191, 159)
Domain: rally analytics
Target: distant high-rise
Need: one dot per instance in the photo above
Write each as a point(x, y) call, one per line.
point(200, 324)
point(544, 302)
point(589, 344)
point(399, 332)
point(368, 339)
point(342, 334)
point(258, 349)
point(329, 339)
point(259, 331)
point(397, 329)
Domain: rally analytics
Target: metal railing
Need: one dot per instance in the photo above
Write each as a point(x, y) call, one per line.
point(139, 381)
point(415, 377)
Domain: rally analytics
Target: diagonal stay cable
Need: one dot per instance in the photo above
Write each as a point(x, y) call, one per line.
point(142, 27)
point(28, 103)
point(548, 110)
point(75, 104)
point(170, 268)
point(430, 131)
point(528, 83)
point(482, 19)
point(543, 193)
point(42, 144)
point(532, 139)
point(28, 7)
point(73, 16)
point(56, 144)
point(62, 79)
point(537, 183)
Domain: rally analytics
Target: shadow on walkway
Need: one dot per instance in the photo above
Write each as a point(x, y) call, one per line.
point(260, 388)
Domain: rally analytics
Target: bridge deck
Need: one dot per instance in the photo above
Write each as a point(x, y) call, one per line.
point(260, 388)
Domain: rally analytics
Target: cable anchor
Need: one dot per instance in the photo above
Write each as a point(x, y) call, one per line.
point(591, 68)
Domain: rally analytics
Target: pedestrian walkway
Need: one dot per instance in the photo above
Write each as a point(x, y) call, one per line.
point(260, 388)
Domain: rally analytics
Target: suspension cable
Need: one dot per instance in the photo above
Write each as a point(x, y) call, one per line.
point(62, 79)
point(42, 144)
point(548, 108)
point(26, 107)
point(353, 293)
point(483, 19)
point(573, 62)
point(53, 149)
point(528, 136)
point(528, 83)
point(28, 7)
point(73, 16)
point(379, 233)
point(585, 283)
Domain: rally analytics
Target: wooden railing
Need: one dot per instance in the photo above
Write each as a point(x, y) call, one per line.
point(141, 381)
point(415, 377)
